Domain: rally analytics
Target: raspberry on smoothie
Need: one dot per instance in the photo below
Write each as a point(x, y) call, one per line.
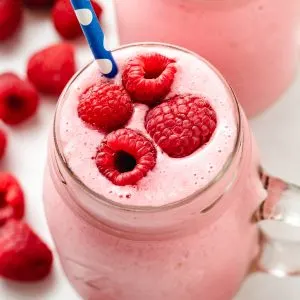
point(148, 77)
point(181, 124)
point(105, 106)
point(125, 156)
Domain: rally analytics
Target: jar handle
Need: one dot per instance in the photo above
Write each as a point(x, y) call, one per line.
point(279, 220)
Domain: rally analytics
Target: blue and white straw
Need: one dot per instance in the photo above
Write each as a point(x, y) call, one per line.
point(93, 32)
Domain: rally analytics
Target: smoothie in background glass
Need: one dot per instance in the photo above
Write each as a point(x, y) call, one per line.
point(252, 42)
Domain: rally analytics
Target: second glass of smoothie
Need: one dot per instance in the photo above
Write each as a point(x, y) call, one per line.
point(252, 42)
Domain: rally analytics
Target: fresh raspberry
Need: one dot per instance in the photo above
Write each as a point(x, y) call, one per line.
point(105, 106)
point(148, 77)
point(11, 13)
point(23, 256)
point(19, 99)
point(65, 21)
point(50, 69)
point(125, 157)
point(12, 205)
point(182, 124)
point(3, 143)
point(38, 3)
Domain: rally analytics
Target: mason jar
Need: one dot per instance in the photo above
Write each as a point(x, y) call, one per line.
point(201, 246)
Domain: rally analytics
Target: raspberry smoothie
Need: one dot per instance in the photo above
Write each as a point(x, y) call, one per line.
point(252, 42)
point(163, 186)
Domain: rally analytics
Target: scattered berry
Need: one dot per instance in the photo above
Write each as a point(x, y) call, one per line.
point(39, 3)
point(23, 256)
point(182, 124)
point(148, 77)
point(12, 203)
point(3, 143)
point(11, 13)
point(18, 99)
point(125, 157)
point(50, 69)
point(65, 21)
point(105, 106)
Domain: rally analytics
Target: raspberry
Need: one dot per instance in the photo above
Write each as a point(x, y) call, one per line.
point(3, 143)
point(65, 21)
point(50, 69)
point(105, 106)
point(23, 256)
point(11, 14)
point(148, 77)
point(182, 124)
point(19, 100)
point(12, 203)
point(125, 157)
point(38, 3)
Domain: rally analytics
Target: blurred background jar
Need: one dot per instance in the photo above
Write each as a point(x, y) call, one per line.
point(252, 42)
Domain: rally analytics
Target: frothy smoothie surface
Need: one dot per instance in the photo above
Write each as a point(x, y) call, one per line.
point(171, 179)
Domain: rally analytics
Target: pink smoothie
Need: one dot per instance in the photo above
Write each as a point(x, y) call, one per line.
point(252, 42)
point(185, 231)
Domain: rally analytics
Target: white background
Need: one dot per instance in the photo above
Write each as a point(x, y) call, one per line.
point(277, 132)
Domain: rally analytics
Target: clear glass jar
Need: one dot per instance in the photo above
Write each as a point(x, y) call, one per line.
point(252, 42)
point(183, 250)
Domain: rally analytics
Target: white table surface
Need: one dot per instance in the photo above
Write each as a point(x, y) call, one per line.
point(277, 132)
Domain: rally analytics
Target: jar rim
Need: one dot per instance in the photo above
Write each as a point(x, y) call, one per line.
point(169, 206)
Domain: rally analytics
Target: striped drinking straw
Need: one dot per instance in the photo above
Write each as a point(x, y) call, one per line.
point(94, 35)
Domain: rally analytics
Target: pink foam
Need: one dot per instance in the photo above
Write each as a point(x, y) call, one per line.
point(172, 179)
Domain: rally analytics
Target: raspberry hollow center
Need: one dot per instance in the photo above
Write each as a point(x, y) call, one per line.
point(14, 102)
point(153, 73)
point(125, 156)
point(148, 78)
point(124, 162)
point(2, 199)
point(155, 65)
